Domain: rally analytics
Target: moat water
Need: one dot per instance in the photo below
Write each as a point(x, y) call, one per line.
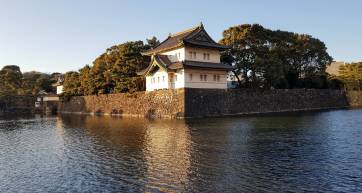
point(297, 152)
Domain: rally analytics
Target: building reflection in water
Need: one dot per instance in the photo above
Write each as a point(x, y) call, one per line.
point(249, 154)
point(156, 152)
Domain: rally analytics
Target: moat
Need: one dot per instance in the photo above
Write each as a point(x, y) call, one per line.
point(320, 151)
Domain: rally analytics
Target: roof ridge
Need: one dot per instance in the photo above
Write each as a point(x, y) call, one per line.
point(185, 31)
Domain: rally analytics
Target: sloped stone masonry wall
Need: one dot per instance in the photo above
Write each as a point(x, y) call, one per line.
point(160, 104)
point(206, 103)
point(17, 105)
point(194, 103)
point(354, 98)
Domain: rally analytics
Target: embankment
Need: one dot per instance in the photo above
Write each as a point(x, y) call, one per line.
point(354, 99)
point(194, 103)
point(15, 104)
point(161, 104)
point(201, 103)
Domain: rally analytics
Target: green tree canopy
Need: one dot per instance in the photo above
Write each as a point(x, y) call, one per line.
point(10, 79)
point(113, 71)
point(13, 81)
point(152, 42)
point(279, 59)
point(33, 82)
point(351, 76)
point(71, 84)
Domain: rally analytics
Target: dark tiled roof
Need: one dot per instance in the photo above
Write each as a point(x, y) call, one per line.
point(161, 60)
point(164, 62)
point(195, 64)
point(196, 36)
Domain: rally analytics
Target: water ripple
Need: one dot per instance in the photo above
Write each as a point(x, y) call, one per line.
point(319, 152)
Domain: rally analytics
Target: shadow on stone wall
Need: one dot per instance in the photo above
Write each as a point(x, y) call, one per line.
point(211, 103)
point(23, 104)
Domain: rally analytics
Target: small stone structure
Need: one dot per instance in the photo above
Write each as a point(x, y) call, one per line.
point(194, 103)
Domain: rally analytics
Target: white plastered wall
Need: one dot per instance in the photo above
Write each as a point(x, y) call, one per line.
point(175, 55)
point(160, 78)
point(210, 83)
point(214, 54)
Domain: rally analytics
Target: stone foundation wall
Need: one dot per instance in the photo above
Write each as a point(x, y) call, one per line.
point(160, 104)
point(193, 103)
point(208, 103)
point(354, 98)
point(17, 105)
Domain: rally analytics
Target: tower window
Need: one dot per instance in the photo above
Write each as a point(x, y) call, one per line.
point(216, 77)
point(192, 55)
point(206, 56)
point(203, 77)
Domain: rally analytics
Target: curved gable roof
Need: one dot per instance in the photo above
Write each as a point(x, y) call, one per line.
point(196, 36)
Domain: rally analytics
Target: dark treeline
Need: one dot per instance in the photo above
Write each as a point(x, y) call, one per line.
point(275, 59)
point(14, 82)
point(262, 58)
point(112, 72)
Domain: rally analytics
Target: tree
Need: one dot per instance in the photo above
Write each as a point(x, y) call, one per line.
point(10, 79)
point(278, 59)
point(33, 82)
point(113, 71)
point(71, 85)
point(351, 76)
point(128, 61)
point(87, 85)
point(152, 42)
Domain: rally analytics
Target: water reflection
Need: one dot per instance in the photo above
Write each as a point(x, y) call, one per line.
point(71, 153)
point(156, 149)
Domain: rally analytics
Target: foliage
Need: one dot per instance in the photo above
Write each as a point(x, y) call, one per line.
point(114, 71)
point(152, 42)
point(72, 83)
point(14, 82)
point(10, 79)
point(33, 82)
point(275, 59)
point(351, 76)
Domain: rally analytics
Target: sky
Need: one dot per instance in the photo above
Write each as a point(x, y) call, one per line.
point(64, 35)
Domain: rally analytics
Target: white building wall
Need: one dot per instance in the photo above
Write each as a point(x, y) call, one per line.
point(210, 83)
point(183, 54)
point(175, 55)
point(50, 98)
point(214, 54)
point(180, 80)
point(187, 78)
point(60, 89)
point(160, 81)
